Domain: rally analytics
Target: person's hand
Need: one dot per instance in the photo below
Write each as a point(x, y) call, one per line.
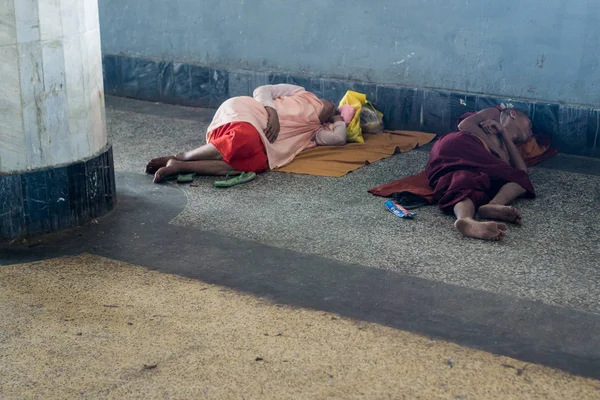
point(492, 127)
point(272, 130)
point(336, 118)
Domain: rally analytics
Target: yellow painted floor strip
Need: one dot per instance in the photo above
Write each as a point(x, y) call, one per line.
point(93, 327)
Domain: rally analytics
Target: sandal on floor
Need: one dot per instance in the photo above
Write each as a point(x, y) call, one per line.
point(181, 178)
point(169, 178)
point(186, 178)
point(241, 178)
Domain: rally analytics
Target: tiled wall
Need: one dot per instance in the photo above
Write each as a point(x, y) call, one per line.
point(576, 130)
point(57, 198)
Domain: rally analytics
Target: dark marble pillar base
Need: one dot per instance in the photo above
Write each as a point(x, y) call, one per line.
point(56, 198)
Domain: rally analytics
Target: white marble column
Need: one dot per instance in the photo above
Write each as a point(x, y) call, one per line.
point(51, 92)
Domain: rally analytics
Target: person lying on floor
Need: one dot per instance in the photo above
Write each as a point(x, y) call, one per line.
point(253, 134)
point(479, 169)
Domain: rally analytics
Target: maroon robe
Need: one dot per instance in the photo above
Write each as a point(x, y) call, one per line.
point(460, 167)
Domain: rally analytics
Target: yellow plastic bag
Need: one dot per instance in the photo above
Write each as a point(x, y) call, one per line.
point(356, 100)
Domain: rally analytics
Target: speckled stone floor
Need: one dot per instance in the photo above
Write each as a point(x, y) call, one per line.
point(92, 327)
point(553, 258)
point(183, 290)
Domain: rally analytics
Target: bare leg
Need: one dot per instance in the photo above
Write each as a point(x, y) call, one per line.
point(464, 211)
point(202, 167)
point(499, 209)
point(204, 152)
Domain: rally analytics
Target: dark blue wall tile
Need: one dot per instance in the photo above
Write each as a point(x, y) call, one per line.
point(523, 106)
point(12, 223)
point(259, 79)
point(545, 118)
point(299, 81)
point(107, 180)
point(387, 104)
point(334, 90)
point(147, 73)
point(141, 78)
point(110, 195)
point(411, 106)
point(573, 129)
point(36, 209)
point(94, 187)
point(113, 74)
point(239, 83)
point(311, 85)
point(219, 87)
point(54, 199)
point(200, 89)
point(182, 82)
point(276, 79)
point(436, 112)
point(369, 89)
point(78, 200)
point(484, 102)
point(103, 184)
point(318, 88)
point(58, 198)
point(166, 81)
point(459, 105)
point(593, 134)
point(129, 77)
point(401, 107)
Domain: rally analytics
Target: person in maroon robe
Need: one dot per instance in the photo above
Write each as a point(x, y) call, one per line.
point(480, 170)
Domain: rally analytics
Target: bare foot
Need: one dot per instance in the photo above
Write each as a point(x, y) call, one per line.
point(156, 163)
point(502, 213)
point(172, 168)
point(481, 230)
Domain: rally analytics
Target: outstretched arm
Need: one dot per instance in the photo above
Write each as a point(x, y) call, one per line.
point(267, 93)
point(516, 159)
point(473, 123)
point(265, 96)
point(336, 136)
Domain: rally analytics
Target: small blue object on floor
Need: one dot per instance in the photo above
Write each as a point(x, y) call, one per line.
point(398, 210)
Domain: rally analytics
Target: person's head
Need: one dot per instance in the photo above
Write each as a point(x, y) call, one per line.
point(329, 110)
point(517, 124)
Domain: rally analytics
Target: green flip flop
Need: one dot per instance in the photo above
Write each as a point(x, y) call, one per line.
point(169, 178)
point(186, 178)
point(241, 178)
point(181, 178)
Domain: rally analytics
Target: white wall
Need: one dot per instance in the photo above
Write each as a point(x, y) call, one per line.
point(545, 50)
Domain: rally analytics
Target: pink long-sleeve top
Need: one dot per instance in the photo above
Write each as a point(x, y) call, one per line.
point(298, 112)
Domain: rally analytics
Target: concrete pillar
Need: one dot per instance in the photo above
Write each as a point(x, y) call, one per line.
point(55, 164)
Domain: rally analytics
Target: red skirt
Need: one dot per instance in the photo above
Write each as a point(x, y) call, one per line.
point(241, 146)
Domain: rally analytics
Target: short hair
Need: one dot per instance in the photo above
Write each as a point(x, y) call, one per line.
point(518, 112)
